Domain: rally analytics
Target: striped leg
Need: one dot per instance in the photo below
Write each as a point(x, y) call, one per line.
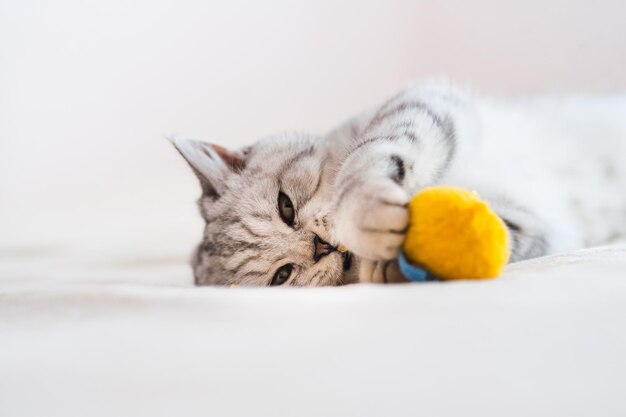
point(423, 136)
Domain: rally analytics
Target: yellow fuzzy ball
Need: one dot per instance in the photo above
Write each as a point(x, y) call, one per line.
point(455, 235)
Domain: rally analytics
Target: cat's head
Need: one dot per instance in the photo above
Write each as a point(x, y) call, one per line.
point(266, 214)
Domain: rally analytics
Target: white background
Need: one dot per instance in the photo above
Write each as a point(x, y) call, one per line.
point(97, 312)
point(88, 89)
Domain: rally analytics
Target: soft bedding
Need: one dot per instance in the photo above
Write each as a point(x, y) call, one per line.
point(135, 338)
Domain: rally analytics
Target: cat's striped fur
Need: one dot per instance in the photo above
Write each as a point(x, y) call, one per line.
point(352, 185)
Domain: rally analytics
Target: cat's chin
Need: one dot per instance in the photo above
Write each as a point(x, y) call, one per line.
point(340, 269)
point(350, 271)
point(347, 261)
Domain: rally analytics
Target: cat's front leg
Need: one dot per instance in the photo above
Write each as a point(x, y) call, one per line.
point(412, 141)
point(371, 213)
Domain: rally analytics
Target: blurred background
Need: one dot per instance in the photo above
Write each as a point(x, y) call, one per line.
point(89, 89)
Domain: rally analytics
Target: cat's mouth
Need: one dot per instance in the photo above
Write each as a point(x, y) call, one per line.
point(347, 260)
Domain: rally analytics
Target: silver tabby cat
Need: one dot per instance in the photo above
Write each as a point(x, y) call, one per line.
point(277, 211)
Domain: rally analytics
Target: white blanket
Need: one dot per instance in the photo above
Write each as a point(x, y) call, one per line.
point(548, 338)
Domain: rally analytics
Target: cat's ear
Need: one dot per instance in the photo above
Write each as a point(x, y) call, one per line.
point(211, 163)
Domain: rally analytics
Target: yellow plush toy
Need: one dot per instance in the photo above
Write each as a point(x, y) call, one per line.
point(453, 234)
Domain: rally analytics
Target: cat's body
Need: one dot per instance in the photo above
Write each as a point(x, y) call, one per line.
point(276, 211)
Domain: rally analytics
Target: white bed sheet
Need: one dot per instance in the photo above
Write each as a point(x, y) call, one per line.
point(547, 338)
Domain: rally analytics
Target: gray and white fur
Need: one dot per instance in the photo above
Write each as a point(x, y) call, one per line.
point(554, 170)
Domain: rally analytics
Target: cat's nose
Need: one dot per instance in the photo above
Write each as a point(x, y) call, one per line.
point(321, 248)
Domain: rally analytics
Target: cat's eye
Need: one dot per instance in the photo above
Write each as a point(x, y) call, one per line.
point(282, 275)
point(285, 209)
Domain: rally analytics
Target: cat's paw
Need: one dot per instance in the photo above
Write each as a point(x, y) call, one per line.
point(371, 219)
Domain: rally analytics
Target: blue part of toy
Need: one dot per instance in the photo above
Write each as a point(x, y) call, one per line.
point(414, 272)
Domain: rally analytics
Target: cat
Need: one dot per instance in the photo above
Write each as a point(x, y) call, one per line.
point(276, 212)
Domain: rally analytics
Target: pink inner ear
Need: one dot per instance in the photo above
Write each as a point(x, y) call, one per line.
point(232, 159)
